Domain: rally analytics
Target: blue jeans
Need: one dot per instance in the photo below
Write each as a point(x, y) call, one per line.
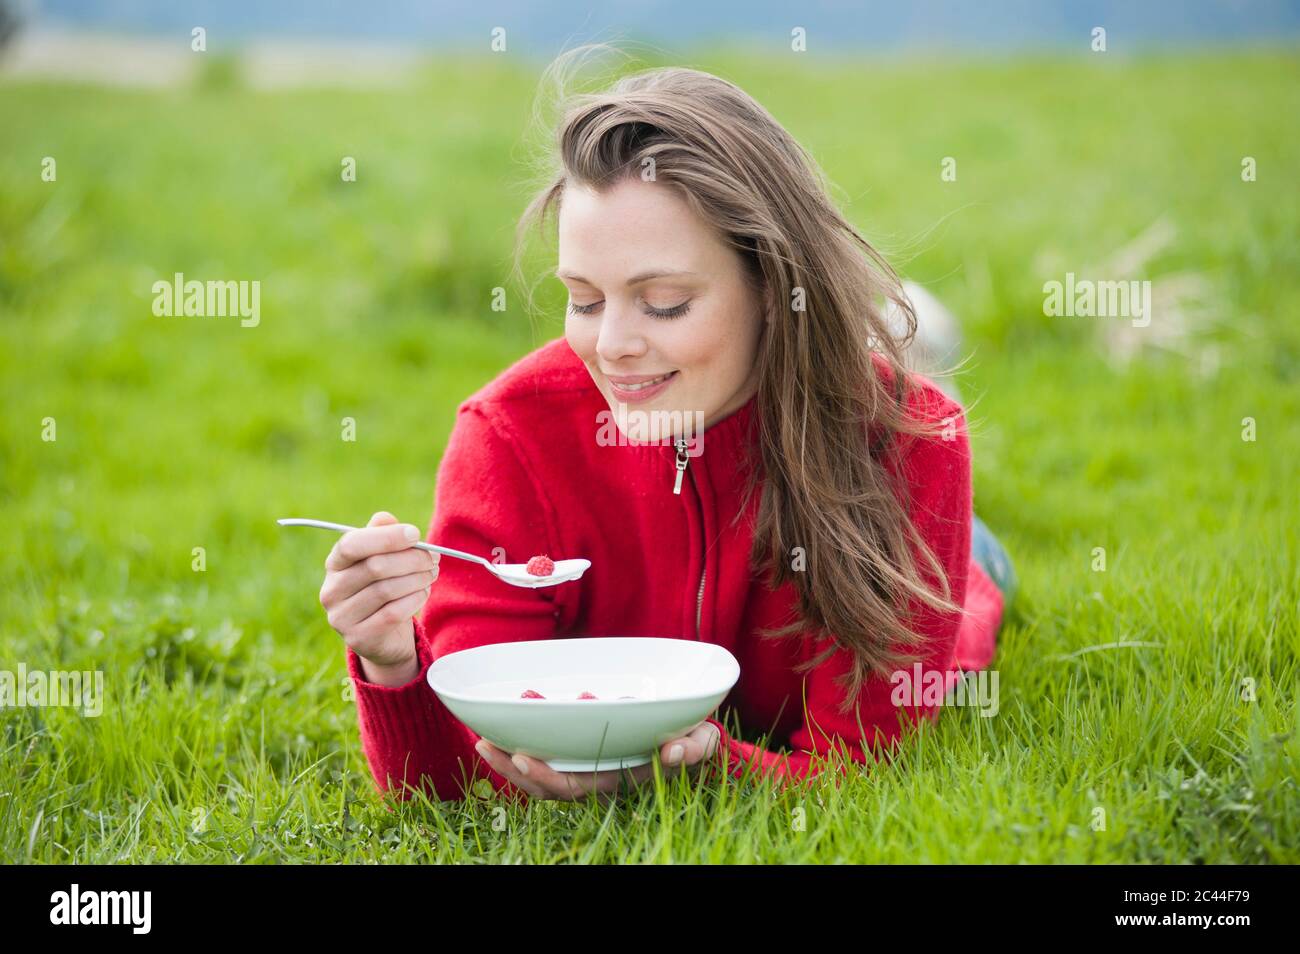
point(993, 559)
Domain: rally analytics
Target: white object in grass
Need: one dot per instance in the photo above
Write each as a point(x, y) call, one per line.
point(677, 684)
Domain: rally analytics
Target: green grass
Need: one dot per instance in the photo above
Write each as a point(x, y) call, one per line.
point(227, 734)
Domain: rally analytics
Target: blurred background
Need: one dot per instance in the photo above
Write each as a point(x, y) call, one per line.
point(987, 149)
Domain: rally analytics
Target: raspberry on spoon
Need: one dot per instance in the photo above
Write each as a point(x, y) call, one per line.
point(541, 566)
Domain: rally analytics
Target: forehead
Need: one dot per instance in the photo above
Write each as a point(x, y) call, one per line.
point(629, 226)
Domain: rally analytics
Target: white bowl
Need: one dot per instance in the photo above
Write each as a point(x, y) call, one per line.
point(676, 683)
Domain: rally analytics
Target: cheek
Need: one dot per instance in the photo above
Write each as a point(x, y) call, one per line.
point(720, 346)
point(581, 338)
point(691, 348)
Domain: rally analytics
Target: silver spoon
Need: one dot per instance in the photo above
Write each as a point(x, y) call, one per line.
point(516, 574)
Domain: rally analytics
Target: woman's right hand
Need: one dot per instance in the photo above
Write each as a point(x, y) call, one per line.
point(375, 582)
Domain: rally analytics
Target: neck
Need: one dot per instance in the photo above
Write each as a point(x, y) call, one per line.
point(739, 400)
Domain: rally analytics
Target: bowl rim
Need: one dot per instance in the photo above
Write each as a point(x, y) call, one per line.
point(584, 703)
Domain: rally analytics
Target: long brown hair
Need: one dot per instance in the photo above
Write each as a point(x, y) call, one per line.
point(826, 419)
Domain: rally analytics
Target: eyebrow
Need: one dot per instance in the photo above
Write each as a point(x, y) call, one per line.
point(634, 280)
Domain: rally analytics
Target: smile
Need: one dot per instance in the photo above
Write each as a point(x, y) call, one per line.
point(644, 384)
point(641, 390)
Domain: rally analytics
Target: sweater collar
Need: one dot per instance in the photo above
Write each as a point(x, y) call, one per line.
point(729, 433)
point(722, 438)
point(721, 453)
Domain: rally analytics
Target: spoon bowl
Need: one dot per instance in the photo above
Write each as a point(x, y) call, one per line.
point(517, 573)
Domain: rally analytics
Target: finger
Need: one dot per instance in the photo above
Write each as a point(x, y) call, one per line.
point(697, 746)
point(374, 598)
point(562, 786)
point(605, 783)
point(341, 585)
point(541, 775)
point(608, 784)
point(712, 741)
point(358, 544)
point(506, 768)
point(639, 775)
point(390, 615)
point(578, 785)
point(709, 736)
point(381, 518)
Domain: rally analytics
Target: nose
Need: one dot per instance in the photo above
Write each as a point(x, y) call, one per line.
point(621, 334)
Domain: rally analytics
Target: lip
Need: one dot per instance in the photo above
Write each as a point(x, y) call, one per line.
point(642, 394)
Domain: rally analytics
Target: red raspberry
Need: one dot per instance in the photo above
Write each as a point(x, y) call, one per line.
point(541, 566)
point(586, 695)
point(531, 694)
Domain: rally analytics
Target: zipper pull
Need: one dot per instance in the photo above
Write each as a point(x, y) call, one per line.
point(681, 464)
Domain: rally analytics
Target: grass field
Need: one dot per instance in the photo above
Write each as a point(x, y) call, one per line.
point(227, 733)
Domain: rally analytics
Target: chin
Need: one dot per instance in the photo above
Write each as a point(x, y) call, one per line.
point(637, 422)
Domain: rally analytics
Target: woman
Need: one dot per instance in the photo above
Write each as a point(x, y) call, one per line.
point(726, 430)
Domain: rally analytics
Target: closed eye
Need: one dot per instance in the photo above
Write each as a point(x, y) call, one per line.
point(674, 312)
point(665, 313)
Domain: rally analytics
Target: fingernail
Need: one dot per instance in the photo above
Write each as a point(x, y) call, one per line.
point(480, 748)
point(674, 755)
point(521, 763)
point(411, 532)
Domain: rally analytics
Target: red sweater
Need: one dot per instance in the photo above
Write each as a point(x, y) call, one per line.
point(524, 471)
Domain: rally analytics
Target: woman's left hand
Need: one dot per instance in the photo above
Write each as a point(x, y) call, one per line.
point(539, 780)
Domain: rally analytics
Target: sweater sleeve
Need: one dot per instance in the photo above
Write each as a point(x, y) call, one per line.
point(484, 500)
point(937, 474)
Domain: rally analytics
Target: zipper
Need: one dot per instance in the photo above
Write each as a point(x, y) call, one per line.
point(682, 460)
point(699, 604)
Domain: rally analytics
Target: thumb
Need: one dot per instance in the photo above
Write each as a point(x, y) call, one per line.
point(708, 736)
point(381, 519)
point(696, 747)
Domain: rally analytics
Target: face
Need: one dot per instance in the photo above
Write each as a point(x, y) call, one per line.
point(660, 308)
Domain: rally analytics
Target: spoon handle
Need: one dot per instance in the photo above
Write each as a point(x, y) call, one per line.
point(344, 528)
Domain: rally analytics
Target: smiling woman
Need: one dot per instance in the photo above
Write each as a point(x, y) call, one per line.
point(682, 334)
point(818, 524)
